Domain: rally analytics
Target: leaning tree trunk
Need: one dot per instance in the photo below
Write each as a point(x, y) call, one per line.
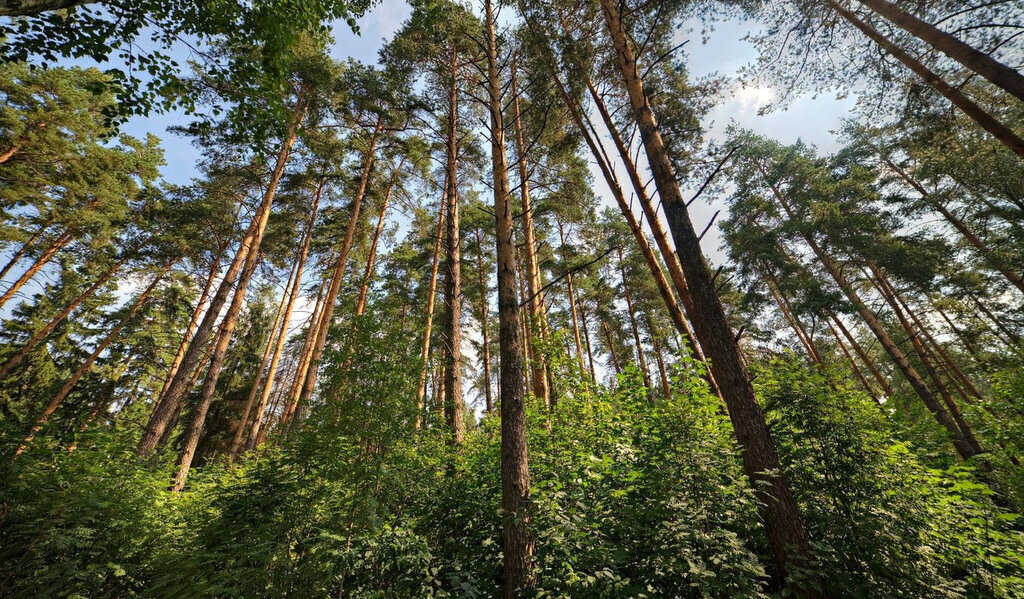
point(985, 120)
point(364, 289)
point(282, 336)
point(309, 384)
point(515, 474)
point(784, 525)
point(197, 418)
point(1006, 78)
point(56, 245)
point(963, 446)
point(179, 385)
point(87, 365)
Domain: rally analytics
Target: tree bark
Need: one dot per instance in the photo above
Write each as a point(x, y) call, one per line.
point(538, 327)
point(248, 250)
point(198, 417)
point(999, 74)
point(452, 338)
point(62, 240)
point(431, 295)
point(18, 255)
point(853, 364)
point(784, 525)
point(17, 8)
point(985, 120)
point(87, 365)
point(515, 474)
point(282, 336)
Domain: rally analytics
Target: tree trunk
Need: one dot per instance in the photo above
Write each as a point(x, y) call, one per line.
point(985, 120)
point(611, 347)
point(960, 226)
point(309, 385)
point(786, 533)
point(40, 335)
point(787, 312)
point(56, 245)
point(586, 339)
point(452, 339)
point(964, 447)
point(248, 249)
point(538, 327)
point(666, 388)
point(282, 335)
point(197, 419)
point(368, 274)
point(431, 295)
point(485, 326)
point(999, 74)
point(571, 292)
point(853, 364)
point(641, 360)
point(87, 365)
point(243, 421)
point(313, 325)
point(881, 380)
point(888, 292)
point(515, 474)
point(18, 255)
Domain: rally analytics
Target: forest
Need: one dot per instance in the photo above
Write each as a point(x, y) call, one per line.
point(509, 305)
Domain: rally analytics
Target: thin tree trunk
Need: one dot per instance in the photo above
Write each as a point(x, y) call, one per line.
point(197, 420)
point(40, 335)
point(853, 364)
point(56, 245)
point(611, 347)
point(985, 120)
point(515, 473)
point(872, 368)
point(968, 345)
point(484, 321)
point(959, 225)
point(784, 525)
point(18, 255)
point(431, 295)
point(787, 312)
point(1010, 335)
point(165, 437)
point(641, 360)
point(248, 250)
point(537, 327)
point(571, 292)
point(268, 349)
point(964, 447)
point(999, 74)
point(368, 274)
point(666, 388)
point(305, 357)
point(888, 292)
point(452, 338)
point(309, 385)
point(282, 335)
point(87, 365)
point(586, 339)
point(192, 324)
